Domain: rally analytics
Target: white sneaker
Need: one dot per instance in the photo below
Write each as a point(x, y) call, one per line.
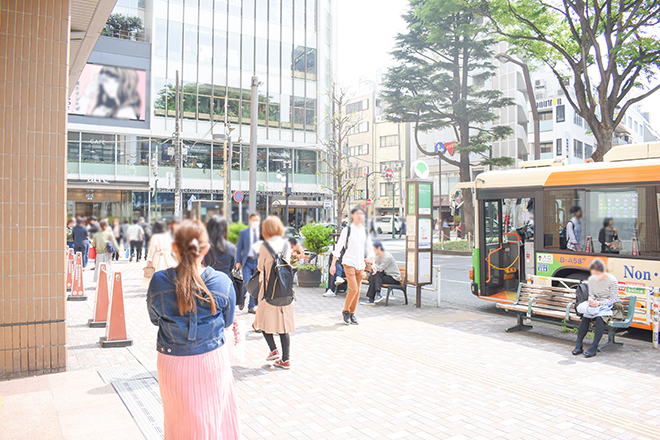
point(339, 280)
point(329, 293)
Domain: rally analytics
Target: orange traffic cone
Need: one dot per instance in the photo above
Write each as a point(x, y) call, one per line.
point(101, 302)
point(635, 247)
point(70, 259)
point(115, 330)
point(77, 290)
point(589, 248)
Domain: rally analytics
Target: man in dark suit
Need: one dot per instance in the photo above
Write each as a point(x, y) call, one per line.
point(246, 255)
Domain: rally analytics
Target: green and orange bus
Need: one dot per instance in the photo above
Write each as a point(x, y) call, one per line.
point(520, 215)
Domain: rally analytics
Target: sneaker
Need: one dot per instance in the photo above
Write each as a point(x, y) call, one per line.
point(285, 365)
point(329, 294)
point(368, 303)
point(253, 311)
point(273, 355)
point(378, 298)
point(339, 280)
point(354, 320)
point(347, 318)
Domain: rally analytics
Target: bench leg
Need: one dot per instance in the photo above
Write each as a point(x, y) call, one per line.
point(405, 293)
point(387, 296)
point(611, 343)
point(519, 325)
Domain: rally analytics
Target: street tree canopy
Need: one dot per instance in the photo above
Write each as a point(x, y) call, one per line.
point(442, 63)
point(605, 54)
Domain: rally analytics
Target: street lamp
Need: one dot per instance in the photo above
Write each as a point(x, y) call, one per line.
point(227, 146)
point(504, 58)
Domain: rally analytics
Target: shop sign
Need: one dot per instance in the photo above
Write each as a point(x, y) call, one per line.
point(97, 179)
point(548, 103)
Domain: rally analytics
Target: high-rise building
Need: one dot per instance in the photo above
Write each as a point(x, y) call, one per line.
point(122, 111)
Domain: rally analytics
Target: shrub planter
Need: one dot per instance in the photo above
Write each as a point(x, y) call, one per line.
point(309, 278)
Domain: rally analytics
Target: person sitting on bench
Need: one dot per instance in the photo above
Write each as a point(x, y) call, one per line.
point(603, 294)
point(384, 271)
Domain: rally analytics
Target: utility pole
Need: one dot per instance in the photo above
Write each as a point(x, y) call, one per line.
point(177, 153)
point(254, 108)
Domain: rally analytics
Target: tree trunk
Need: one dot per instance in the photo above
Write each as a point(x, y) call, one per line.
point(467, 211)
point(604, 145)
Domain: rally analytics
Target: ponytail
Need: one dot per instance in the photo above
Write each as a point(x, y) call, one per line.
point(190, 239)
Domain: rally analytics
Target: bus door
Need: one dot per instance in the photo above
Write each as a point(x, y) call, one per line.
point(491, 242)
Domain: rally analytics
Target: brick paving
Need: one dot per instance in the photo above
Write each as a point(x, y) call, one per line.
point(407, 373)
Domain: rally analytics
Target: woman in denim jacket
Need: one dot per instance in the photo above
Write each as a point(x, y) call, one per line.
point(192, 305)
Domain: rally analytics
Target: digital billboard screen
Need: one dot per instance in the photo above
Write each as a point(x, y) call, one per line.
point(110, 92)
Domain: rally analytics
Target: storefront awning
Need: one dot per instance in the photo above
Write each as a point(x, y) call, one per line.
point(304, 204)
point(102, 184)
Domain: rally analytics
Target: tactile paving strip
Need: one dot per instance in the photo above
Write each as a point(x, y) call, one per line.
point(139, 391)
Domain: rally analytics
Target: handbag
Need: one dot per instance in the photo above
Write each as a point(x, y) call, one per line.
point(111, 248)
point(92, 253)
point(149, 271)
point(128, 252)
point(253, 286)
point(235, 342)
point(237, 279)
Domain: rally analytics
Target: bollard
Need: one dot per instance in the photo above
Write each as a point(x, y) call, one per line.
point(439, 284)
point(115, 330)
point(101, 303)
point(70, 259)
point(77, 289)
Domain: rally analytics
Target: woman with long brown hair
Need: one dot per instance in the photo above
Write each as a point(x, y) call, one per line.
point(192, 305)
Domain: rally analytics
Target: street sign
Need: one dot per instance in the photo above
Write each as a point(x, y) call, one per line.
point(238, 196)
point(368, 202)
point(421, 169)
point(190, 200)
point(450, 147)
point(327, 204)
point(440, 148)
point(389, 173)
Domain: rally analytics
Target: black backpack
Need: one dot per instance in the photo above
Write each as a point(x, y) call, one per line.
point(563, 236)
point(279, 282)
point(581, 295)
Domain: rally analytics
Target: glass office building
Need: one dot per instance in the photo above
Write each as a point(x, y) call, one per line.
point(121, 155)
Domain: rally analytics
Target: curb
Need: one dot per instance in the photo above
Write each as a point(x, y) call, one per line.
point(447, 252)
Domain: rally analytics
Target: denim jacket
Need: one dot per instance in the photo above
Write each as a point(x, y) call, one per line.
point(195, 332)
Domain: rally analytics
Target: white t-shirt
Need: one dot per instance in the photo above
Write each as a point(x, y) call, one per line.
point(358, 248)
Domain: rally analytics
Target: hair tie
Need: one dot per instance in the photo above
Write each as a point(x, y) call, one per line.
point(195, 242)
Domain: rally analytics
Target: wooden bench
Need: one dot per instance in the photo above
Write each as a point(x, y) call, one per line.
point(554, 305)
point(391, 287)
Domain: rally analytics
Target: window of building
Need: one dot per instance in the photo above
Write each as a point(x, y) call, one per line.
point(132, 150)
point(577, 149)
point(197, 155)
point(165, 151)
point(98, 148)
point(636, 127)
point(175, 40)
point(274, 11)
point(633, 210)
point(357, 106)
point(577, 119)
point(561, 113)
point(559, 151)
point(546, 150)
point(588, 150)
point(358, 150)
point(277, 157)
point(386, 189)
point(362, 127)
point(391, 140)
point(305, 162)
point(73, 152)
point(545, 120)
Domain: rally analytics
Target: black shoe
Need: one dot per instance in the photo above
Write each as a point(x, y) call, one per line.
point(354, 320)
point(256, 330)
point(253, 311)
point(589, 354)
point(576, 352)
point(347, 318)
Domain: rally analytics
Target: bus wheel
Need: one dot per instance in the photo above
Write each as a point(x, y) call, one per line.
point(571, 274)
point(380, 230)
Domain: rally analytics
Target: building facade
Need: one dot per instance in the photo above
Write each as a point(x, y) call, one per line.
point(122, 111)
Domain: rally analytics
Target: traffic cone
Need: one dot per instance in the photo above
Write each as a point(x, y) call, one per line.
point(101, 303)
point(70, 260)
point(77, 290)
point(589, 248)
point(635, 248)
point(115, 330)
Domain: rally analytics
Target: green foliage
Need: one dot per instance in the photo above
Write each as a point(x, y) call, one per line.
point(441, 58)
point(455, 245)
point(234, 230)
point(317, 238)
point(123, 26)
point(310, 267)
point(609, 52)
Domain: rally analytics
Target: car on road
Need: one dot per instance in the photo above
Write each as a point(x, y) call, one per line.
point(383, 224)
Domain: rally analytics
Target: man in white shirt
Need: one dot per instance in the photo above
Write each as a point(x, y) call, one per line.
point(353, 250)
point(135, 236)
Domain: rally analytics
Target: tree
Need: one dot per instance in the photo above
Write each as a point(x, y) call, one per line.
point(123, 26)
point(611, 48)
point(335, 157)
point(441, 58)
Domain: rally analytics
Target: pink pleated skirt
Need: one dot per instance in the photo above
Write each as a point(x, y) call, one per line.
point(199, 396)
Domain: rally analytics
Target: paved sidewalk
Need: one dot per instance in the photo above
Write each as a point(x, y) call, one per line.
point(403, 373)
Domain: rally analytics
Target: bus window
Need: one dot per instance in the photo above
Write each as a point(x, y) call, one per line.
point(557, 212)
point(518, 217)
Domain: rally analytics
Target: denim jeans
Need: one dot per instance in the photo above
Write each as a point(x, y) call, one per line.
point(332, 278)
point(248, 268)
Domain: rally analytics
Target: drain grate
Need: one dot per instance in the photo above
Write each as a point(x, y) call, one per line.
point(138, 389)
point(142, 398)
